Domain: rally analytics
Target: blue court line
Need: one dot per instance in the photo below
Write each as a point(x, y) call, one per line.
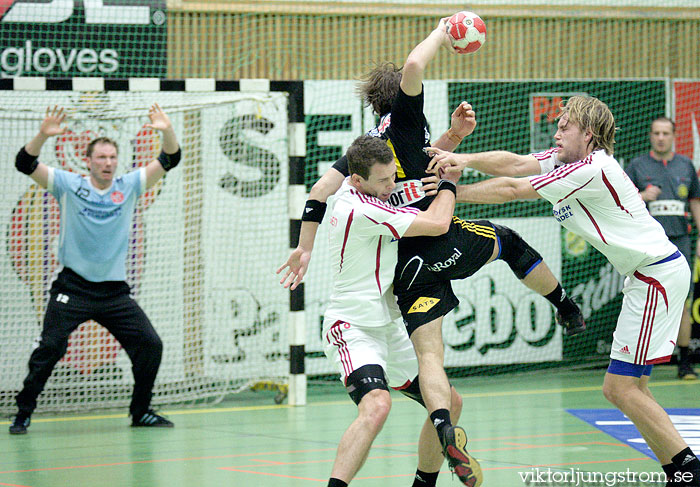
point(617, 425)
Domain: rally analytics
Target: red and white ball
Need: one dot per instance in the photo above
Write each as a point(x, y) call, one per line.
point(467, 32)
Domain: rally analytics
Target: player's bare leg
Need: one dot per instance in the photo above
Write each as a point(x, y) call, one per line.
point(644, 387)
point(434, 386)
point(628, 394)
point(541, 280)
point(356, 442)
point(669, 468)
point(435, 389)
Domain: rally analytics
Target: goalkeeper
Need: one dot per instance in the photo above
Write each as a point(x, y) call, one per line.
point(96, 218)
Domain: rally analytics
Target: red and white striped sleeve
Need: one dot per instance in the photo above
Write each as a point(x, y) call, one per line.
point(565, 181)
point(547, 159)
point(379, 218)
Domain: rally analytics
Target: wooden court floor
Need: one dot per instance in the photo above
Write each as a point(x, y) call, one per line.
point(515, 423)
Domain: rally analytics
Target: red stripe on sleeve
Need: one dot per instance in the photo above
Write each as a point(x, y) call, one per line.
point(391, 228)
point(544, 155)
point(555, 175)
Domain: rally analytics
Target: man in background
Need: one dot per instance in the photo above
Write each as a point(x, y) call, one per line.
point(669, 185)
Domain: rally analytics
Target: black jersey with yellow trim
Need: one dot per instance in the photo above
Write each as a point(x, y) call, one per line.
point(406, 131)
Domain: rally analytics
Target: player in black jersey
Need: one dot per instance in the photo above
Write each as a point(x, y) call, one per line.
point(426, 265)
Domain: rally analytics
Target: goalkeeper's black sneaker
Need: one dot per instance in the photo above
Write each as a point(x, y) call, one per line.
point(468, 470)
point(152, 420)
point(573, 324)
point(20, 424)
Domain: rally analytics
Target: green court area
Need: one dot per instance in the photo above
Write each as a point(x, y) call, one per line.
point(516, 424)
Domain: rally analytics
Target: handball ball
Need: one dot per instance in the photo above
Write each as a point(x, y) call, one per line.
point(467, 32)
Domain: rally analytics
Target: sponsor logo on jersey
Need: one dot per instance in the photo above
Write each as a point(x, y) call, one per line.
point(625, 350)
point(117, 197)
point(101, 214)
point(423, 304)
point(562, 213)
point(438, 266)
point(406, 193)
point(383, 125)
point(334, 221)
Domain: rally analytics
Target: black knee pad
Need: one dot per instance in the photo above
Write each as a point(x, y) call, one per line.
point(365, 379)
point(413, 392)
point(516, 252)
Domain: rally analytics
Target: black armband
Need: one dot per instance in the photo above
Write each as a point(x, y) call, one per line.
point(25, 162)
point(446, 184)
point(169, 161)
point(313, 211)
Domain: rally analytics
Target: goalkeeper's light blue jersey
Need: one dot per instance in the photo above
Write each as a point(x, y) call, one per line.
point(95, 224)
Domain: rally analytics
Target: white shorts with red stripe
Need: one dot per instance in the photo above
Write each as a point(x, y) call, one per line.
point(647, 327)
point(350, 347)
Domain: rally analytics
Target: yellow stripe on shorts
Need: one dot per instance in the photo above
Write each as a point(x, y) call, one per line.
point(481, 230)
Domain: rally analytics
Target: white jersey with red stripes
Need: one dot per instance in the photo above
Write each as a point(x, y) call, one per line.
point(595, 199)
point(364, 234)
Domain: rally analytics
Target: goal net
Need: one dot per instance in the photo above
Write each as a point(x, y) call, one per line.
point(207, 241)
point(500, 325)
point(204, 244)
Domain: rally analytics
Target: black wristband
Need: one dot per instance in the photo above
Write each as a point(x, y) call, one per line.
point(446, 184)
point(25, 162)
point(313, 211)
point(169, 161)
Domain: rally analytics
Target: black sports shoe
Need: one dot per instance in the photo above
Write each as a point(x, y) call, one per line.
point(20, 424)
point(152, 420)
point(468, 470)
point(686, 372)
point(573, 324)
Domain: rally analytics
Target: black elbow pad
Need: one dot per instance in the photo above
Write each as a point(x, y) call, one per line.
point(25, 162)
point(169, 161)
